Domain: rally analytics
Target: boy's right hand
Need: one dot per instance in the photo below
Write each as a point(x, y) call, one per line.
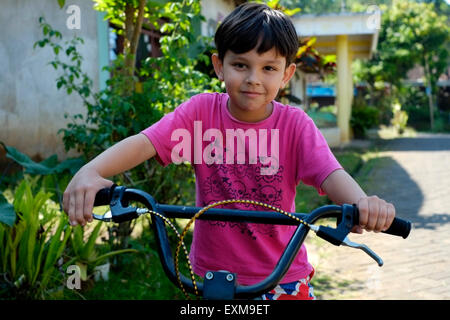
point(79, 196)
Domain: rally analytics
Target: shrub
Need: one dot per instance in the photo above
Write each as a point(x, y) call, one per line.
point(400, 118)
point(30, 249)
point(117, 112)
point(363, 118)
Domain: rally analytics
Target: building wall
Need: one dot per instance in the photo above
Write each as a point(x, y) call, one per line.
point(31, 108)
point(214, 11)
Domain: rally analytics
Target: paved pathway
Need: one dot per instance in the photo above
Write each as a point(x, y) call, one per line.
point(414, 175)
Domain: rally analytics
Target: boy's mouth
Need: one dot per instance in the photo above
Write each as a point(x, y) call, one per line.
point(251, 93)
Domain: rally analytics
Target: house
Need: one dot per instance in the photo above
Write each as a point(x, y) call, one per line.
point(349, 36)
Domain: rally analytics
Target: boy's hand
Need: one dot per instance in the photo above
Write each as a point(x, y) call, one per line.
point(375, 214)
point(79, 197)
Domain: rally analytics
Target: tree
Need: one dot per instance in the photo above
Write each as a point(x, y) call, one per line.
point(129, 16)
point(412, 33)
point(429, 35)
point(120, 110)
point(332, 6)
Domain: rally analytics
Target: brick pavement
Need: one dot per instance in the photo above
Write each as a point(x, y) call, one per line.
point(413, 174)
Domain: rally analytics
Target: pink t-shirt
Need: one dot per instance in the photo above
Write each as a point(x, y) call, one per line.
point(279, 152)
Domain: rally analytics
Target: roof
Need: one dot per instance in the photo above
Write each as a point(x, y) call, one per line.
point(361, 28)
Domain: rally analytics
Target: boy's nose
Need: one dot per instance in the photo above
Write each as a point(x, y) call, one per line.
point(253, 79)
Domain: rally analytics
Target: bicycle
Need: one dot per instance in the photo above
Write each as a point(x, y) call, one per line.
point(222, 285)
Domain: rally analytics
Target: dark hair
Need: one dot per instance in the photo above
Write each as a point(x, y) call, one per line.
point(253, 25)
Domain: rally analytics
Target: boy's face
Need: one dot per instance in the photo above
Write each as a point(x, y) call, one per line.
point(252, 81)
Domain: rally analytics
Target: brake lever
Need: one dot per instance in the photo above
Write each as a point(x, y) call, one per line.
point(364, 248)
point(120, 211)
point(338, 235)
point(107, 217)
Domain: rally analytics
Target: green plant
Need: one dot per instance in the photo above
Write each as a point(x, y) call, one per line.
point(118, 112)
point(322, 118)
point(412, 33)
point(363, 118)
point(32, 246)
point(51, 175)
point(111, 115)
point(7, 213)
point(400, 118)
point(86, 255)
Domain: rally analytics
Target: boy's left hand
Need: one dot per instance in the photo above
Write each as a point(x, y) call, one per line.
point(375, 214)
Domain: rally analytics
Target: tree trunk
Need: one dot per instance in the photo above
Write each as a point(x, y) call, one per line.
point(133, 29)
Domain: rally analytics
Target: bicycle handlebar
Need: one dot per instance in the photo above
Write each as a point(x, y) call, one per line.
point(399, 227)
point(347, 217)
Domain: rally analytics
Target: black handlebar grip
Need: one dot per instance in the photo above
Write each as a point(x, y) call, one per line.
point(399, 227)
point(103, 196)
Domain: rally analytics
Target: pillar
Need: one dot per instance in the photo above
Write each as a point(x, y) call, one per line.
point(343, 83)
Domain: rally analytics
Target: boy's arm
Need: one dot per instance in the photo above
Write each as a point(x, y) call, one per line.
point(80, 194)
point(375, 214)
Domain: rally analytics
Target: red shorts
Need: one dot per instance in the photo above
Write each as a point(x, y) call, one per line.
point(297, 290)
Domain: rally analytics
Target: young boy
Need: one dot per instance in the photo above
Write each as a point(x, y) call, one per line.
point(277, 146)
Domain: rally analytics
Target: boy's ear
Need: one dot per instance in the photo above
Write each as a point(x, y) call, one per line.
point(218, 66)
point(288, 74)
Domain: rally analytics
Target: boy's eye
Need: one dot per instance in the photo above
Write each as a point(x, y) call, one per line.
point(269, 68)
point(239, 65)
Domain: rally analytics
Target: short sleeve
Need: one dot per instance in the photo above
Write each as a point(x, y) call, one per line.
point(171, 130)
point(315, 159)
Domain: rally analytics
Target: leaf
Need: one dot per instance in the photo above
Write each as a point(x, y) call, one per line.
point(329, 58)
point(77, 239)
point(25, 161)
point(50, 162)
point(99, 259)
point(89, 250)
point(55, 250)
point(311, 42)
point(61, 3)
point(83, 270)
point(47, 166)
point(7, 213)
point(291, 12)
point(273, 3)
point(71, 164)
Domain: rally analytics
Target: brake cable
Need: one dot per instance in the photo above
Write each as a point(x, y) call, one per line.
point(203, 210)
point(181, 236)
point(338, 236)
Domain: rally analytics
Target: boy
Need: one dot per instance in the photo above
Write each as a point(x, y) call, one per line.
point(277, 146)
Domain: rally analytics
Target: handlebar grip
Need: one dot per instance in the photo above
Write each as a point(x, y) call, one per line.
point(103, 196)
point(399, 227)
